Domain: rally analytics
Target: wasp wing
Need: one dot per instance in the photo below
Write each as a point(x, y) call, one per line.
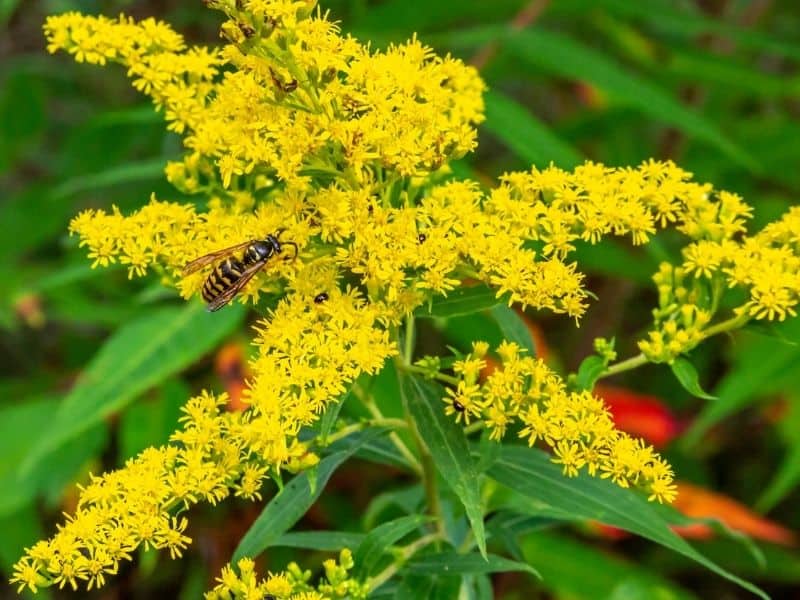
point(207, 259)
point(228, 294)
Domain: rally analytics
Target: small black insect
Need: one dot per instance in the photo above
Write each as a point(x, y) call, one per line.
point(321, 297)
point(285, 87)
point(232, 273)
point(422, 237)
point(246, 30)
point(458, 406)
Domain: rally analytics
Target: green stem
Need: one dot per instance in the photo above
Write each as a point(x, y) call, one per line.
point(640, 359)
point(370, 405)
point(728, 325)
point(377, 422)
point(624, 365)
point(408, 351)
point(476, 426)
point(427, 373)
point(405, 554)
point(428, 468)
point(396, 440)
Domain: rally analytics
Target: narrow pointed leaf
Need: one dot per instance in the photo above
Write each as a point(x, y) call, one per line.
point(530, 139)
point(324, 541)
point(589, 371)
point(292, 502)
point(572, 569)
point(448, 446)
point(561, 55)
point(687, 376)
point(368, 554)
point(531, 473)
point(513, 327)
point(752, 378)
point(451, 562)
point(461, 301)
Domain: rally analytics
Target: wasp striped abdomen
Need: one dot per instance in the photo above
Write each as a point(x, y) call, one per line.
point(223, 277)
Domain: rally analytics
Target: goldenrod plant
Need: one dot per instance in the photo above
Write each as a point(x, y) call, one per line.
point(296, 133)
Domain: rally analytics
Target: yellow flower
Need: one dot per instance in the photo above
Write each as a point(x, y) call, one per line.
point(293, 128)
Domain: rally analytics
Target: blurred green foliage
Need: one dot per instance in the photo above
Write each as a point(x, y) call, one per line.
point(712, 84)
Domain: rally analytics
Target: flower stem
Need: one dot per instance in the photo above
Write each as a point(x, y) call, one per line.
point(428, 468)
point(728, 325)
point(624, 365)
point(370, 405)
point(427, 373)
point(377, 422)
point(406, 553)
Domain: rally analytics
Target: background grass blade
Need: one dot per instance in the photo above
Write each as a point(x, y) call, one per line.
point(138, 356)
point(529, 138)
point(560, 55)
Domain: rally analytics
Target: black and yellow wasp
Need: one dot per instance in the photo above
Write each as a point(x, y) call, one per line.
point(232, 273)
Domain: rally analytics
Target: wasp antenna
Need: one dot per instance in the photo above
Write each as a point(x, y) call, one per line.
point(293, 245)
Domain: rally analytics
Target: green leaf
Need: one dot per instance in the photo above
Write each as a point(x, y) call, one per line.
point(383, 452)
point(529, 138)
point(7, 8)
point(461, 331)
point(531, 473)
point(451, 562)
point(479, 587)
point(612, 258)
point(513, 327)
point(572, 569)
point(589, 372)
point(697, 67)
point(461, 301)
point(138, 356)
point(324, 541)
point(129, 172)
point(687, 376)
point(560, 55)
point(296, 497)
point(368, 554)
point(425, 587)
point(448, 447)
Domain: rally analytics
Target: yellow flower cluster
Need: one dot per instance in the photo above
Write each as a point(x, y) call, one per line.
point(301, 99)
point(159, 63)
point(576, 425)
point(308, 353)
point(134, 506)
point(765, 265)
point(291, 584)
point(293, 127)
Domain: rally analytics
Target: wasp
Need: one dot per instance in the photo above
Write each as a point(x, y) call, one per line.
point(232, 273)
